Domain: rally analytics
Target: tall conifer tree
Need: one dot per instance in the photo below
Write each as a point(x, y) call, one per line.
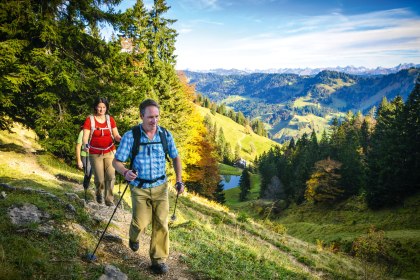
point(384, 188)
point(411, 121)
point(244, 185)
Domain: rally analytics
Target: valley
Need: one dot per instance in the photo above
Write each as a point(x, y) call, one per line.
point(292, 104)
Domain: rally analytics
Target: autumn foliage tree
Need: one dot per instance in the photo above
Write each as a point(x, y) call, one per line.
point(199, 152)
point(323, 184)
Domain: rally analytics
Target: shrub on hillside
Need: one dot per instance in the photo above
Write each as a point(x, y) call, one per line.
point(276, 227)
point(243, 217)
point(373, 246)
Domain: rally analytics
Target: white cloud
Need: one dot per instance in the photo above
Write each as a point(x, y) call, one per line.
point(384, 38)
point(184, 30)
point(200, 4)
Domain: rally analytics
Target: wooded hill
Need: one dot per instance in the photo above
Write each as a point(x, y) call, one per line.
point(292, 104)
point(243, 142)
point(54, 63)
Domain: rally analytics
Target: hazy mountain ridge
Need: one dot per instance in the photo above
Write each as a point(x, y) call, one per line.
point(287, 102)
point(350, 69)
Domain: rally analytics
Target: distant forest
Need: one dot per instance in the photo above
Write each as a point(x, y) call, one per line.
point(276, 99)
point(377, 156)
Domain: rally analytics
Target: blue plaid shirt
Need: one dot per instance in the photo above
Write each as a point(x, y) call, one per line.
point(150, 162)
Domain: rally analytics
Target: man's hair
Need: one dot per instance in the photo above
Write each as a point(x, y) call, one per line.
point(146, 103)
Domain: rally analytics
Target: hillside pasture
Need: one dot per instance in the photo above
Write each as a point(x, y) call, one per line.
point(238, 134)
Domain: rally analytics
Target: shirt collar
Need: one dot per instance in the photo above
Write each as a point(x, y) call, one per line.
point(144, 132)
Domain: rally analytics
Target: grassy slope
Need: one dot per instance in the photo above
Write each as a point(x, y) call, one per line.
point(345, 222)
point(235, 133)
point(213, 242)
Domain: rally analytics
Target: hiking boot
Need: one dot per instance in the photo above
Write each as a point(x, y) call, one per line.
point(160, 268)
point(134, 245)
point(109, 203)
point(99, 198)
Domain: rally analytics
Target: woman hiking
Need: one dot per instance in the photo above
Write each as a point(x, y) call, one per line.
point(99, 133)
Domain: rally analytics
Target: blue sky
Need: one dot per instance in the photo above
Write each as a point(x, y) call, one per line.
point(265, 34)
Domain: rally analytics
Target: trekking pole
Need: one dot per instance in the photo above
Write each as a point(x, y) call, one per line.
point(119, 189)
point(92, 257)
point(173, 217)
point(85, 169)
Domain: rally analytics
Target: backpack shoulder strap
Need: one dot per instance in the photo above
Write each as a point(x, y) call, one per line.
point(92, 126)
point(164, 140)
point(136, 143)
point(108, 124)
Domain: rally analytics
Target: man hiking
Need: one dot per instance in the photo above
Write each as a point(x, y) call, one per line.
point(147, 145)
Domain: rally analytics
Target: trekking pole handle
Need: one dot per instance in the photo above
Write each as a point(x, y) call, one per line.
point(130, 178)
point(179, 186)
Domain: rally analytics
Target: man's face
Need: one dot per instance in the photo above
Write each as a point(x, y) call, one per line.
point(150, 118)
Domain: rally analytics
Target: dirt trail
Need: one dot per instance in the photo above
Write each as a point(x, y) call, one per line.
point(30, 165)
point(111, 252)
point(108, 252)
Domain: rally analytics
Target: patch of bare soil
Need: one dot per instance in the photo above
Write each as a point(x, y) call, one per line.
point(30, 165)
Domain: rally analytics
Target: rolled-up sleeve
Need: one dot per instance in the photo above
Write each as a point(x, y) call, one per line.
point(172, 151)
point(124, 149)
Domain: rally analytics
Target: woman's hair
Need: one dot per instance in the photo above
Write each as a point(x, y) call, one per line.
point(146, 103)
point(101, 100)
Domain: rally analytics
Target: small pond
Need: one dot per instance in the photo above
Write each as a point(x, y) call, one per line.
point(230, 181)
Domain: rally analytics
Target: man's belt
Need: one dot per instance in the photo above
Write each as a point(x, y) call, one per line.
point(142, 181)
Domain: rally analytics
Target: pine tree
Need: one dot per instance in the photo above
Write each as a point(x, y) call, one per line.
point(244, 185)
point(221, 144)
point(228, 155)
point(258, 127)
point(237, 151)
point(301, 164)
point(292, 144)
point(324, 146)
point(240, 118)
point(385, 159)
point(365, 136)
point(53, 65)
point(162, 37)
point(411, 121)
point(266, 169)
point(219, 194)
point(353, 176)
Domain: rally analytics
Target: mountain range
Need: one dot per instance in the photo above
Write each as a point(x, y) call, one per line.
point(292, 104)
point(360, 70)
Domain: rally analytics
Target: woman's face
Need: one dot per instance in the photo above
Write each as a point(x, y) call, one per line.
point(101, 109)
